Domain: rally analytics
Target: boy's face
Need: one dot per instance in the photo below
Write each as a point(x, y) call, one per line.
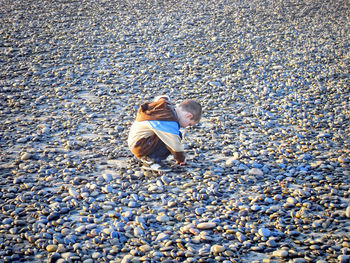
point(185, 119)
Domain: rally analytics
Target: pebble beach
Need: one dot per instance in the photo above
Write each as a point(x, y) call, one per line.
point(267, 177)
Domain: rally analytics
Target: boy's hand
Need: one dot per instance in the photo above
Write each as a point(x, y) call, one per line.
point(181, 163)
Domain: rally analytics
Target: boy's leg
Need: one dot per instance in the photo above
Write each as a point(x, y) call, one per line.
point(160, 152)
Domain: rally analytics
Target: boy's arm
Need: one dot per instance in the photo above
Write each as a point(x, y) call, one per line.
point(168, 132)
point(173, 143)
point(180, 157)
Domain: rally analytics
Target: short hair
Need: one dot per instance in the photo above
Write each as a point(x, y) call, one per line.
point(192, 107)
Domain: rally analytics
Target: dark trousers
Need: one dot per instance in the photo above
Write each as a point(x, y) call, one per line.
point(160, 151)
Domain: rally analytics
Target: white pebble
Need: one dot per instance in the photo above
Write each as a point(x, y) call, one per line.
point(280, 253)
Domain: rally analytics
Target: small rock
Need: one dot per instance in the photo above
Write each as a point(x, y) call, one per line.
point(291, 200)
point(51, 248)
point(280, 253)
point(145, 248)
point(255, 207)
point(343, 258)
point(73, 192)
point(107, 189)
point(264, 232)
point(256, 172)
point(271, 243)
point(127, 259)
point(299, 260)
point(162, 218)
point(107, 177)
point(81, 229)
point(26, 156)
point(347, 212)
point(162, 236)
point(342, 159)
point(138, 232)
point(241, 237)
point(217, 249)
point(206, 225)
point(96, 255)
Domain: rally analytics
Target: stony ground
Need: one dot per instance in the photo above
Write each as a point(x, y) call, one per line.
point(267, 178)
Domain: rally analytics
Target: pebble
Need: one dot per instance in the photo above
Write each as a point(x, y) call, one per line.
point(267, 173)
point(145, 248)
point(299, 260)
point(255, 207)
point(107, 177)
point(280, 253)
point(26, 156)
point(162, 236)
point(347, 212)
point(241, 237)
point(271, 243)
point(217, 249)
point(264, 232)
point(162, 218)
point(256, 172)
point(343, 258)
point(206, 225)
point(51, 248)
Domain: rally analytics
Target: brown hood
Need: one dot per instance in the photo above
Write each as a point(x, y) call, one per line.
point(161, 110)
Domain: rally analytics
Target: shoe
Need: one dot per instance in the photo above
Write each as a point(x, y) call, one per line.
point(147, 161)
point(158, 167)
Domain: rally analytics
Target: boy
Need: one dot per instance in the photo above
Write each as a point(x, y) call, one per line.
point(156, 132)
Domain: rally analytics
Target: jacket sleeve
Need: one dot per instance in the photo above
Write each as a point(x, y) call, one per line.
point(169, 133)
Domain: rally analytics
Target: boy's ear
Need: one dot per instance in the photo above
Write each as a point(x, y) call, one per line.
point(189, 115)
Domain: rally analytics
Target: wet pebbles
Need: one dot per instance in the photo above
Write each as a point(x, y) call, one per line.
point(268, 172)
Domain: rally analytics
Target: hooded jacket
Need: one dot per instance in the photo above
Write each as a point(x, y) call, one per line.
point(156, 121)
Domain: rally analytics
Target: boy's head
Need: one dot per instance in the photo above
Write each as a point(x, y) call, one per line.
point(189, 113)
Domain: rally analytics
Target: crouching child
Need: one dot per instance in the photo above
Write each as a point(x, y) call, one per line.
point(155, 134)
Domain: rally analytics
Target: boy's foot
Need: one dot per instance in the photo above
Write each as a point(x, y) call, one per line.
point(158, 167)
point(147, 161)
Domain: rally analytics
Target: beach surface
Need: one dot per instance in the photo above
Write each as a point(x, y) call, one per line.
point(267, 173)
